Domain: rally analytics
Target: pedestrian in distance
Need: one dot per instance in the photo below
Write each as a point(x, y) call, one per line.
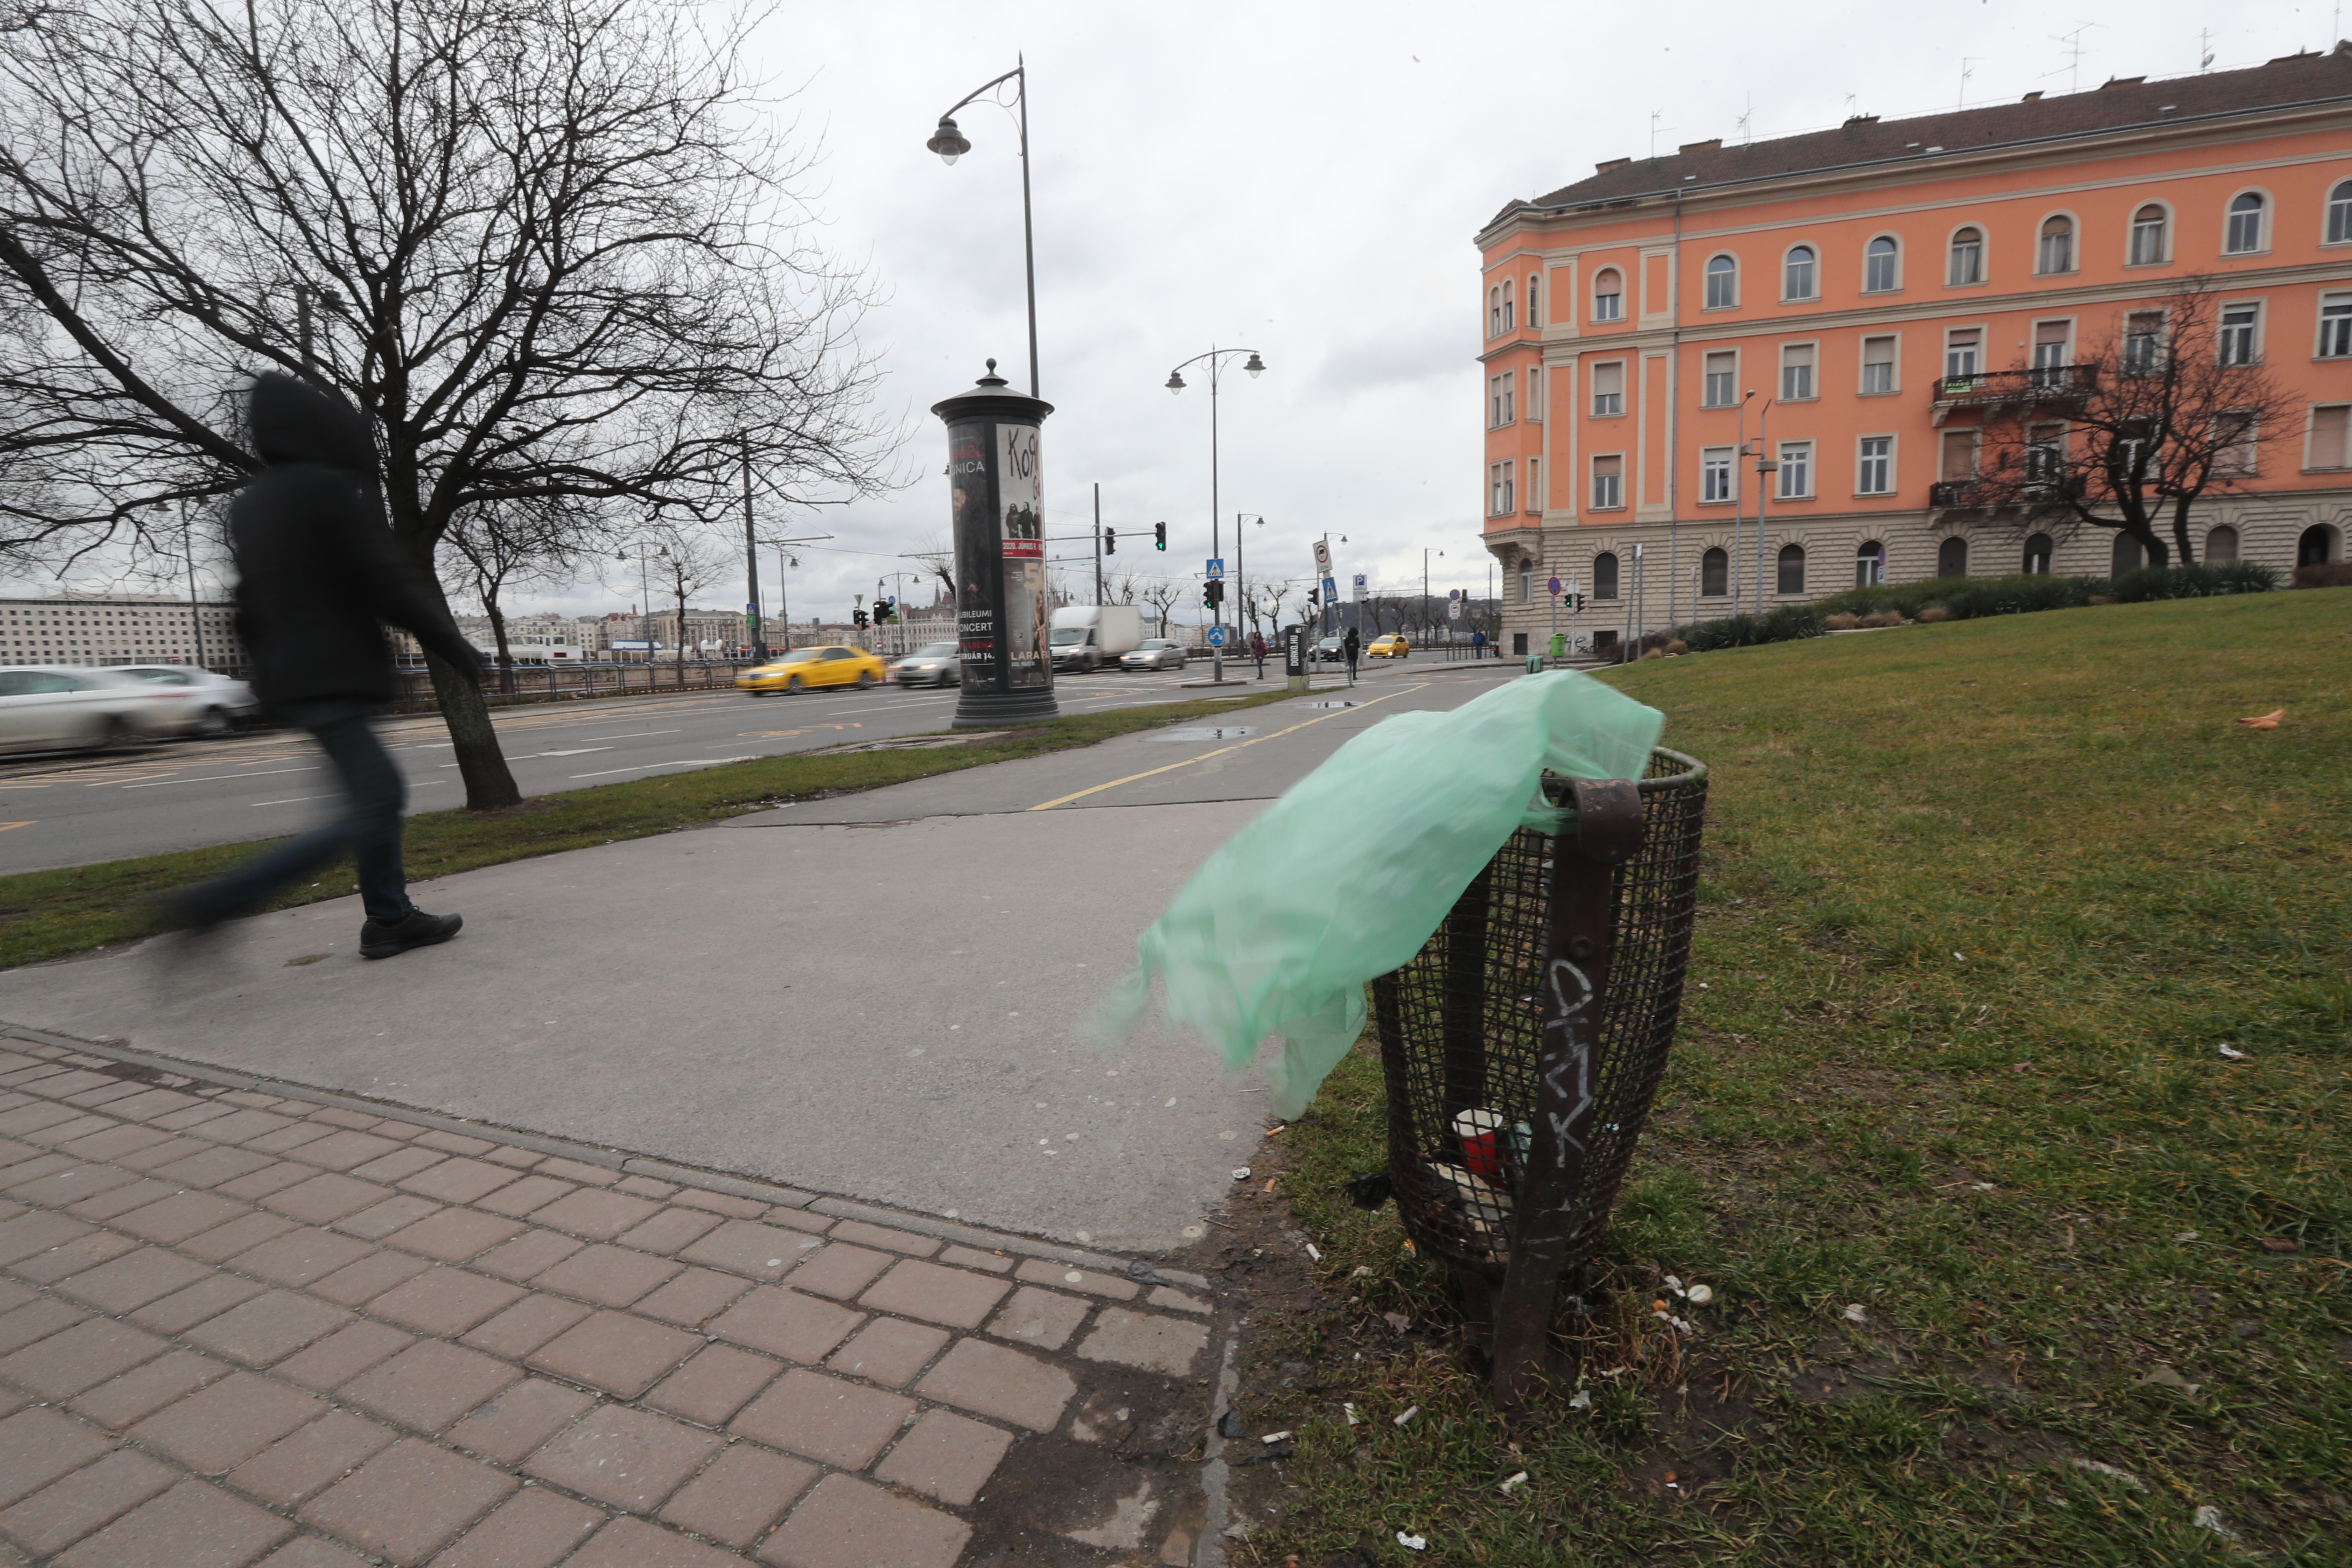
point(1351, 645)
point(1478, 643)
point(1257, 652)
point(318, 576)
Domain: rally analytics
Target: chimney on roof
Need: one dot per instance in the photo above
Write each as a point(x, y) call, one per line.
point(1707, 146)
point(2121, 81)
point(1611, 164)
point(1854, 119)
point(2031, 96)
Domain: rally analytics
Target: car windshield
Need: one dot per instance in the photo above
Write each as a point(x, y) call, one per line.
point(934, 651)
point(1156, 642)
point(800, 655)
point(1067, 634)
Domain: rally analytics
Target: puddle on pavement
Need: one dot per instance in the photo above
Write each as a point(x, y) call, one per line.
point(1228, 733)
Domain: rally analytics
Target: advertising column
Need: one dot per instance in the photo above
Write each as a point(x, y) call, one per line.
point(996, 496)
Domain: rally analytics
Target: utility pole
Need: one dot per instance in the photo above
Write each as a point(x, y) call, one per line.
point(752, 565)
point(1098, 590)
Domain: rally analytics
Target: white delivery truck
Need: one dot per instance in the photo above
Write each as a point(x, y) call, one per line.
point(1087, 636)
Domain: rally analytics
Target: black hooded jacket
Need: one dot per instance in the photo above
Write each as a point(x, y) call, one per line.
point(319, 572)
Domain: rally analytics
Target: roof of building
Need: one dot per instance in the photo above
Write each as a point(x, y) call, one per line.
point(2121, 104)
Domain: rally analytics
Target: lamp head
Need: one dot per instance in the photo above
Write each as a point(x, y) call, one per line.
point(1254, 365)
point(949, 142)
point(1175, 381)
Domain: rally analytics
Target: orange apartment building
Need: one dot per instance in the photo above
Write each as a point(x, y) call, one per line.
point(1828, 294)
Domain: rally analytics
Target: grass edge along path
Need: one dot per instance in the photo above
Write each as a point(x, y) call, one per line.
point(2011, 1263)
point(55, 913)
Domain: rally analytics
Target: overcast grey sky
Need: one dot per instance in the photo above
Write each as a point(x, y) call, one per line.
point(1305, 180)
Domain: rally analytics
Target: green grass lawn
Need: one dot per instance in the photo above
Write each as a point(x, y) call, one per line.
point(1981, 903)
point(48, 914)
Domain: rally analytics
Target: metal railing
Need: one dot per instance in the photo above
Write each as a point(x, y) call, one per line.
point(572, 682)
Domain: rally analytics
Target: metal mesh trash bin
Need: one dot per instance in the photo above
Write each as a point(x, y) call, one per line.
point(1523, 1044)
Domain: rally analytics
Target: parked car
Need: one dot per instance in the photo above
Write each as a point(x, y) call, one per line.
point(215, 704)
point(57, 707)
point(933, 664)
point(1154, 653)
point(810, 666)
point(1391, 646)
point(1330, 650)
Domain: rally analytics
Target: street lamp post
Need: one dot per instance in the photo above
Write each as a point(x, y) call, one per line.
point(1241, 573)
point(950, 143)
point(1766, 466)
point(1216, 358)
point(1425, 551)
point(643, 558)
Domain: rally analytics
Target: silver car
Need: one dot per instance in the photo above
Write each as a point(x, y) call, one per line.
point(203, 703)
point(933, 664)
point(1154, 653)
point(54, 706)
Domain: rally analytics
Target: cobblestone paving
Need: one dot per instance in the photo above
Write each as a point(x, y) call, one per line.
point(238, 1329)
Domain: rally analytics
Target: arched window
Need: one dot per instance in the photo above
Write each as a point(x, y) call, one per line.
point(1869, 565)
point(2222, 546)
point(1793, 569)
point(1713, 574)
point(1495, 312)
point(1527, 582)
point(1881, 266)
point(1604, 576)
point(1800, 277)
point(1533, 284)
point(2316, 547)
point(2339, 214)
point(1609, 295)
point(1968, 258)
point(2245, 232)
point(1507, 307)
point(2127, 556)
point(1722, 283)
point(2150, 244)
point(2037, 556)
point(1952, 557)
point(2055, 251)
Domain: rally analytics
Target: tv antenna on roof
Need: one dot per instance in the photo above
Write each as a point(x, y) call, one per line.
point(1655, 115)
point(2205, 48)
point(1745, 116)
point(1967, 69)
point(2074, 66)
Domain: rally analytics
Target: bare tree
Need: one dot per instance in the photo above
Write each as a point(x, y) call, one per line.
point(510, 543)
point(2167, 408)
point(1119, 588)
point(1161, 596)
point(531, 240)
point(688, 563)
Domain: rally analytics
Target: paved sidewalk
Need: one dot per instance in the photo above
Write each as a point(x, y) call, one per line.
point(237, 1329)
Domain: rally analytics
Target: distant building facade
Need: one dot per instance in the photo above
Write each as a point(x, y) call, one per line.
point(101, 630)
point(1871, 283)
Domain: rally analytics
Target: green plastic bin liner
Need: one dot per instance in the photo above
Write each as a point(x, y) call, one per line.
point(1347, 875)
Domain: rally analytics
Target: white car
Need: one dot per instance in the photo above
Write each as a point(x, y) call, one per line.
point(55, 707)
point(200, 702)
point(933, 664)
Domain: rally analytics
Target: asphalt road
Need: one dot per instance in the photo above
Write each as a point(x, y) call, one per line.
point(886, 996)
point(74, 811)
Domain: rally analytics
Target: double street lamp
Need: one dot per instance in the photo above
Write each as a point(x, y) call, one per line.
point(951, 144)
point(1216, 359)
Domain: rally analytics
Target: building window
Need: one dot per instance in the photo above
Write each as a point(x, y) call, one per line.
point(1604, 576)
point(1952, 557)
point(1609, 295)
point(1535, 393)
point(1498, 400)
point(1498, 490)
point(1535, 484)
point(2045, 459)
point(1796, 372)
point(2335, 326)
point(1960, 346)
point(1960, 451)
point(1714, 575)
point(1507, 307)
point(2055, 252)
point(1800, 277)
point(1877, 365)
point(1793, 569)
point(1715, 482)
point(2315, 546)
point(1968, 258)
point(1495, 311)
point(1527, 582)
point(2127, 556)
point(2237, 443)
point(2331, 436)
point(1875, 472)
point(2037, 555)
point(2150, 236)
point(2339, 214)
point(1608, 482)
point(1722, 283)
point(1881, 266)
point(2143, 342)
point(1534, 283)
point(1869, 565)
point(1609, 389)
point(2245, 232)
point(2222, 546)
point(2238, 324)
point(2052, 353)
point(1722, 373)
point(1796, 470)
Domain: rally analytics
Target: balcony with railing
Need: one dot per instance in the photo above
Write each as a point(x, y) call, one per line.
point(2055, 386)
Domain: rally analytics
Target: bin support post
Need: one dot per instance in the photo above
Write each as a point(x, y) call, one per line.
point(1576, 973)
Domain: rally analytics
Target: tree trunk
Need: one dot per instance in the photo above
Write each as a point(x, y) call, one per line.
point(488, 784)
point(681, 642)
point(499, 631)
point(2180, 529)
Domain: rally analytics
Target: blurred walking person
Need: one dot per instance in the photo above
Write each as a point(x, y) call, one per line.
point(319, 576)
point(1257, 652)
point(1352, 646)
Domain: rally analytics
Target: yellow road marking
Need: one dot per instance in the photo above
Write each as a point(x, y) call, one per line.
point(1239, 745)
point(4, 826)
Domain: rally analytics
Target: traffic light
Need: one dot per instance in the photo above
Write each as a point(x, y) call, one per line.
point(1111, 541)
point(1158, 536)
point(1314, 597)
point(857, 617)
point(1216, 592)
point(886, 610)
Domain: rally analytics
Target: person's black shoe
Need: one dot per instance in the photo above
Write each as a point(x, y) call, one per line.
point(415, 929)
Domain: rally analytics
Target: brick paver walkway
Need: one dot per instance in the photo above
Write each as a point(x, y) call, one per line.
point(238, 1329)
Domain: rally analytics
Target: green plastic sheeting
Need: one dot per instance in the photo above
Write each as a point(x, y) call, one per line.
point(1347, 875)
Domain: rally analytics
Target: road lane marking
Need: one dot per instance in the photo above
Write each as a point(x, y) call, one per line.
point(574, 752)
point(214, 778)
point(632, 735)
point(1220, 752)
point(681, 763)
point(4, 826)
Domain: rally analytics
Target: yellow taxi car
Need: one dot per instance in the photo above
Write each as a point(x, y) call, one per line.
point(805, 668)
point(1391, 646)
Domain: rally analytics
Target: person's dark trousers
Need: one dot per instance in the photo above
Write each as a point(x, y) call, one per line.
point(368, 830)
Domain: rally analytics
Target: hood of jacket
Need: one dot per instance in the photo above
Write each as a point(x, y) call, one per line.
point(294, 422)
